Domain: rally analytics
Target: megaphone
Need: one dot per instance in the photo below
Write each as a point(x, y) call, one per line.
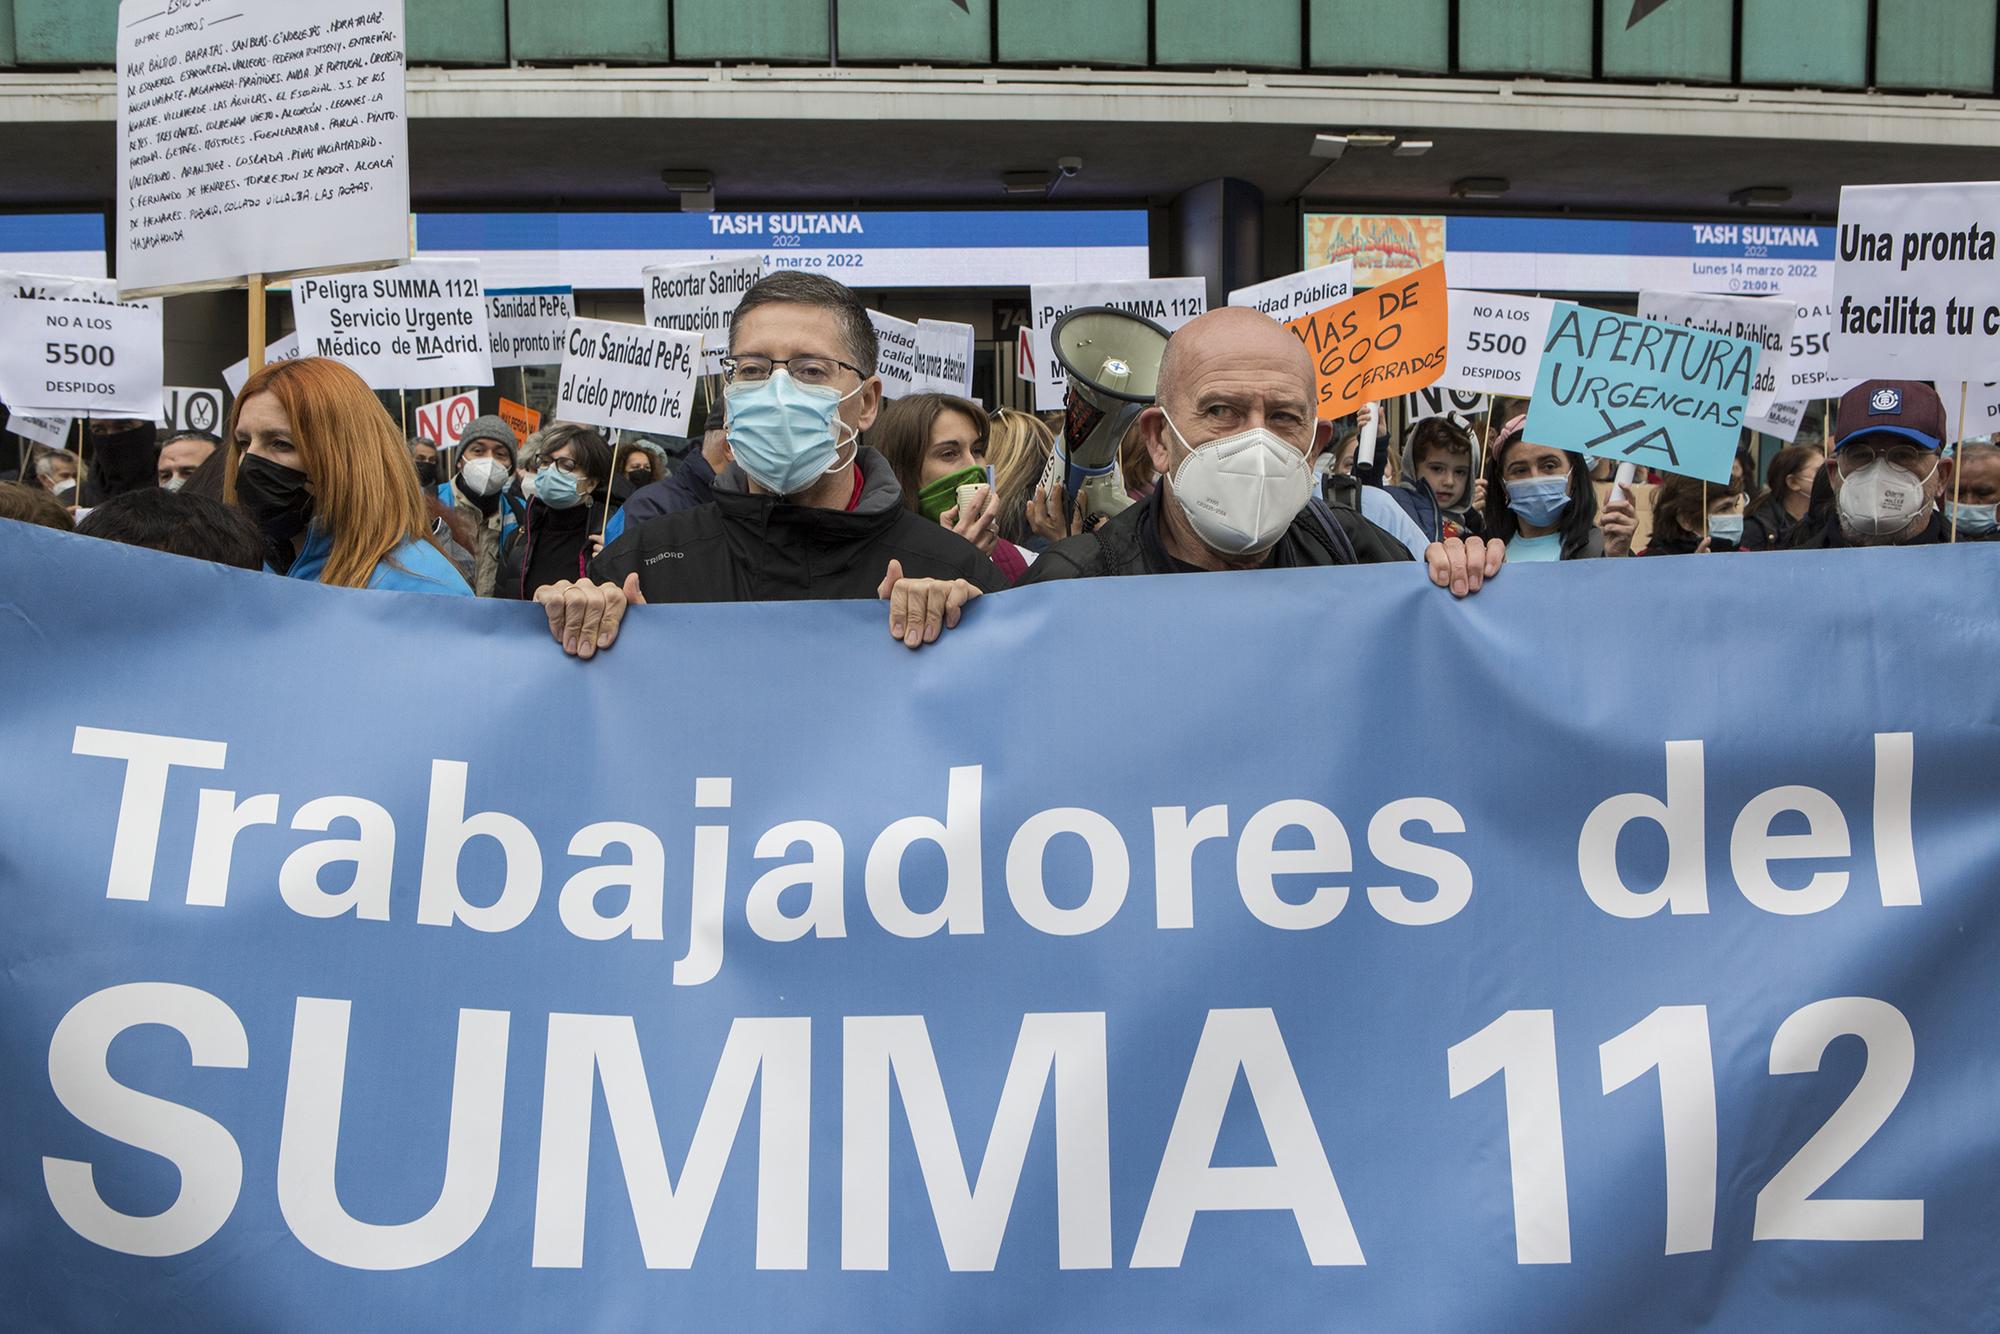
point(1113, 362)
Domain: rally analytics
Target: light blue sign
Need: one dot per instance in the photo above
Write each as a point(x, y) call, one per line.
point(1642, 391)
point(321, 1009)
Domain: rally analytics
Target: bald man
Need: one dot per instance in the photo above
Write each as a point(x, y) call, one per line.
point(1234, 436)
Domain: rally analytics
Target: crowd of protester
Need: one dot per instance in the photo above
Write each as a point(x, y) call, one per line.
point(802, 482)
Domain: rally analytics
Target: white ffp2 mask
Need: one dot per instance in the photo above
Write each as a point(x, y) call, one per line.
point(1882, 499)
point(1241, 493)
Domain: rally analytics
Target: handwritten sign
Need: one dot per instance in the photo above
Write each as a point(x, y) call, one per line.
point(897, 362)
point(259, 139)
point(1764, 321)
point(701, 299)
point(521, 419)
point(944, 358)
point(628, 377)
point(527, 325)
point(1642, 391)
point(1387, 341)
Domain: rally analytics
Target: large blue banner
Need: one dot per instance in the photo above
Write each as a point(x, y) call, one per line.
point(1618, 949)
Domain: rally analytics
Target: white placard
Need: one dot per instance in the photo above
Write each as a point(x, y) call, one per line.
point(51, 431)
point(1167, 302)
point(944, 358)
point(1982, 410)
point(420, 326)
point(1781, 421)
point(1496, 342)
point(1766, 323)
point(444, 421)
point(897, 363)
point(628, 377)
point(259, 139)
point(1916, 291)
point(185, 409)
point(699, 299)
point(1297, 294)
point(285, 349)
point(527, 327)
point(70, 346)
point(1437, 401)
point(1806, 375)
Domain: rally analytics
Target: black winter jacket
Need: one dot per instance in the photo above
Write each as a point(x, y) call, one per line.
point(746, 548)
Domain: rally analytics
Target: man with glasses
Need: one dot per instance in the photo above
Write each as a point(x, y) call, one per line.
point(804, 510)
point(1887, 470)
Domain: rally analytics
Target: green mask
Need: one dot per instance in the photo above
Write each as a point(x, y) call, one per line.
point(942, 494)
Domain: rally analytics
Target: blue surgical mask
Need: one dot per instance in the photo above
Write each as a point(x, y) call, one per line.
point(1539, 500)
point(1725, 528)
point(1973, 520)
point(557, 489)
point(786, 435)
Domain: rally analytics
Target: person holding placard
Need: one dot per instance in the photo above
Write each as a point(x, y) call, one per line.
point(559, 534)
point(1787, 496)
point(326, 474)
point(806, 510)
point(1888, 472)
point(1541, 502)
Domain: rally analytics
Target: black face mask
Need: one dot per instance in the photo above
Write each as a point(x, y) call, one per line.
point(638, 477)
point(276, 497)
point(427, 473)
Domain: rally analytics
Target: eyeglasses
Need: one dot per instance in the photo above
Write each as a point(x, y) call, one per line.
point(806, 370)
point(1910, 458)
point(570, 466)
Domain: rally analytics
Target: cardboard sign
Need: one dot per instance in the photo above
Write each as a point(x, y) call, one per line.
point(421, 326)
point(897, 362)
point(1299, 294)
point(51, 431)
point(285, 349)
point(1388, 341)
point(1639, 391)
point(184, 409)
point(1805, 375)
point(1916, 291)
point(1496, 342)
point(526, 325)
point(70, 346)
point(1167, 302)
point(1437, 401)
point(271, 140)
point(627, 377)
point(1762, 321)
point(944, 358)
point(524, 421)
point(700, 299)
point(444, 421)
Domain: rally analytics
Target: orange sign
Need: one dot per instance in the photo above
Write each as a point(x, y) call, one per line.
point(1378, 344)
point(525, 421)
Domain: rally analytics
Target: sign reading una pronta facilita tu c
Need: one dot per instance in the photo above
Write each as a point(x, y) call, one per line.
point(69, 346)
point(628, 377)
point(1916, 289)
point(259, 138)
point(420, 326)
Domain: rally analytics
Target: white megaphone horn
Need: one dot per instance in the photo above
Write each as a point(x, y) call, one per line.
point(1112, 359)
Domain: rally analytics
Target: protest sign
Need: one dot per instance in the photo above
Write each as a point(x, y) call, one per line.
point(1982, 410)
point(1765, 321)
point(699, 299)
point(1437, 401)
point(270, 140)
point(1167, 302)
point(524, 421)
point(1658, 395)
point(1496, 342)
point(1299, 294)
point(1782, 421)
point(1916, 293)
point(1387, 341)
point(897, 359)
point(1207, 1027)
point(285, 349)
point(526, 325)
point(70, 346)
point(1805, 375)
point(628, 377)
point(421, 326)
point(185, 409)
point(944, 358)
point(51, 431)
point(444, 421)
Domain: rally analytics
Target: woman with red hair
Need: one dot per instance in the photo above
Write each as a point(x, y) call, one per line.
point(324, 471)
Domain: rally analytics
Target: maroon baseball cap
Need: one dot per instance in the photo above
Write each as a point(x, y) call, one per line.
point(1908, 408)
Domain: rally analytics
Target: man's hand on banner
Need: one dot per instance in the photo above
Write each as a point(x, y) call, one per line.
point(922, 609)
point(584, 617)
point(1463, 565)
